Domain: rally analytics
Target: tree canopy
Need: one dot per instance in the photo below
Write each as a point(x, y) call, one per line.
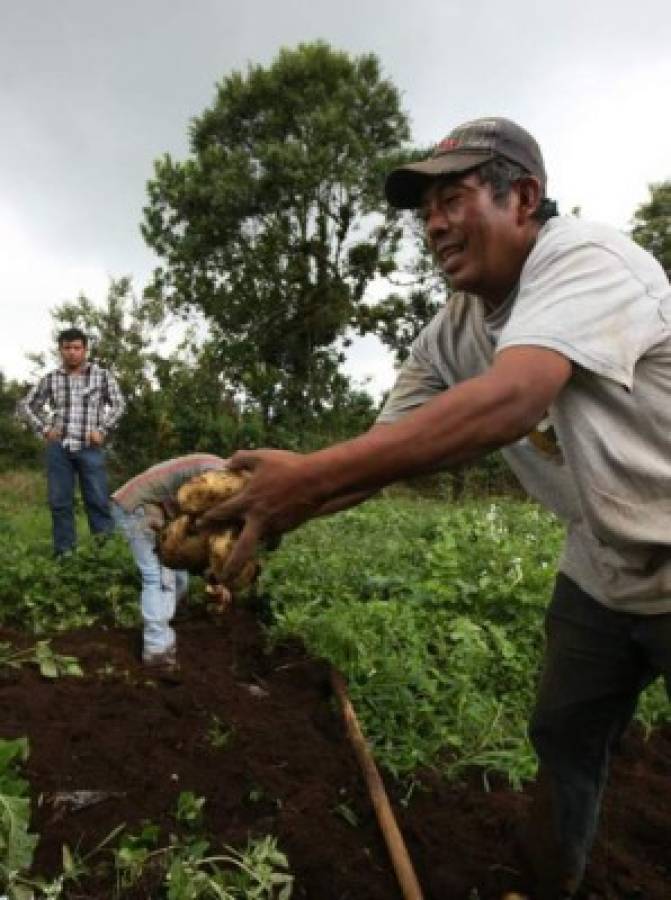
point(276, 224)
point(652, 224)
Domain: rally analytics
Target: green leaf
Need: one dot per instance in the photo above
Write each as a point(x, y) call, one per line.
point(16, 844)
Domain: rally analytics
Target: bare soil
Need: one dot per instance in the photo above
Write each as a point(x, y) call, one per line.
point(288, 771)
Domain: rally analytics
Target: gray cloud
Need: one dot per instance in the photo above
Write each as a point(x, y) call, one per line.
point(93, 93)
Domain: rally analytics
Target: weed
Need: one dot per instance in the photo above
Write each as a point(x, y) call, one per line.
point(219, 735)
point(50, 663)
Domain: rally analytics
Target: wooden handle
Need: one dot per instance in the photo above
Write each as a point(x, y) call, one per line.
point(385, 816)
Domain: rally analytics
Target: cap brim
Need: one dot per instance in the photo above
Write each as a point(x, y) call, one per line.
point(405, 186)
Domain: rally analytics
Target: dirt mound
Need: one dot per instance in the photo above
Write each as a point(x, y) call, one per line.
point(287, 770)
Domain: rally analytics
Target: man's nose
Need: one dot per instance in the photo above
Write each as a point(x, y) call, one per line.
point(435, 221)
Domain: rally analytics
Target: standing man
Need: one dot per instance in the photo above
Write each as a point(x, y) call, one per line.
point(553, 321)
point(74, 408)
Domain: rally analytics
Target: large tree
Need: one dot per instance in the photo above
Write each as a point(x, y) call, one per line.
point(652, 224)
point(275, 225)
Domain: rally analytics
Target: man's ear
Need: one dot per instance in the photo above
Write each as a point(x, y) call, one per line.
point(530, 196)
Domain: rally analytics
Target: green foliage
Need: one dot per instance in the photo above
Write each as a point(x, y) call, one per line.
point(133, 854)
point(16, 843)
point(18, 445)
point(188, 872)
point(267, 229)
point(652, 224)
point(434, 614)
point(50, 663)
point(219, 735)
point(190, 809)
point(259, 872)
point(98, 583)
point(75, 866)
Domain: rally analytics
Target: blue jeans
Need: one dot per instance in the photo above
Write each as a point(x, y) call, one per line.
point(597, 662)
point(63, 466)
point(161, 587)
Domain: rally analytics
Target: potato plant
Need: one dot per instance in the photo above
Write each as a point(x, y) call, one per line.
point(434, 613)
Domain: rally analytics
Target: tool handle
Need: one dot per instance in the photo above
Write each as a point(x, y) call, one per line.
point(385, 816)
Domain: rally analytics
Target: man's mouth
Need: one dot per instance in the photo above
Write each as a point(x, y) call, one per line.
point(449, 255)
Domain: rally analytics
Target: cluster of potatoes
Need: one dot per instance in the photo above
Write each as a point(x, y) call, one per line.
point(181, 546)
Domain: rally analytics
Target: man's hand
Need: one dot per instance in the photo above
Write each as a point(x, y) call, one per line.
point(96, 438)
point(282, 493)
point(53, 434)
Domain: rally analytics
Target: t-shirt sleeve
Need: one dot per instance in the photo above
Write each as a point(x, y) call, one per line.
point(418, 381)
point(585, 302)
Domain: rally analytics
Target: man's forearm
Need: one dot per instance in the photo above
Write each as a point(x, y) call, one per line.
point(343, 502)
point(29, 410)
point(115, 405)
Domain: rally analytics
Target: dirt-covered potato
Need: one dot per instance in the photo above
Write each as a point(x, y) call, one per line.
point(205, 553)
point(220, 549)
point(221, 546)
point(204, 491)
point(180, 547)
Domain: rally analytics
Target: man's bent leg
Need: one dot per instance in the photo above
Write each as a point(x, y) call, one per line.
point(157, 606)
point(90, 462)
point(592, 676)
point(60, 492)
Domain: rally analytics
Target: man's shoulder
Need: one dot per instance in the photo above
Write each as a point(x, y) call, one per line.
point(458, 305)
point(98, 369)
point(566, 232)
point(48, 376)
point(588, 245)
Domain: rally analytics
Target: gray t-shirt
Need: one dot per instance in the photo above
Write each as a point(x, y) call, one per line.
point(593, 295)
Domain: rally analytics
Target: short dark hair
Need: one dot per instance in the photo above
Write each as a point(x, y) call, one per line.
point(500, 174)
point(72, 334)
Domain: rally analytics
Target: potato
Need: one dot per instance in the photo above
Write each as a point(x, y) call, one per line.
point(204, 491)
point(179, 547)
point(221, 546)
point(205, 552)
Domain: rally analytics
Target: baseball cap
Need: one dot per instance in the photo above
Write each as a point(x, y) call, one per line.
point(465, 147)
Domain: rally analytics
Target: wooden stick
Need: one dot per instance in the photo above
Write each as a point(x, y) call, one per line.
point(385, 816)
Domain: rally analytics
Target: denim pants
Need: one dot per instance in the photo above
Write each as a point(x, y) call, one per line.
point(161, 587)
point(63, 467)
point(597, 662)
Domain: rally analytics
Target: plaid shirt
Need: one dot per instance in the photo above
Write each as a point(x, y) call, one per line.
point(78, 404)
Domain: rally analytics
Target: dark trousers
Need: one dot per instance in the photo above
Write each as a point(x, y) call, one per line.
point(63, 468)
point(597, 662)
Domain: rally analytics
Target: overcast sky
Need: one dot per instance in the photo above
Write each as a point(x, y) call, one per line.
point(91, 93)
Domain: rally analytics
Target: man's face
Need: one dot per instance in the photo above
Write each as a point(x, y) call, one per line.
point(479, 244)
point(73, 354)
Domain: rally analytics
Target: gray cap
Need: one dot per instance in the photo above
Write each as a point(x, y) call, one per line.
point(465, 147)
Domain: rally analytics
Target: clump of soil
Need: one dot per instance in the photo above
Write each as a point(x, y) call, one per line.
point(288, 771)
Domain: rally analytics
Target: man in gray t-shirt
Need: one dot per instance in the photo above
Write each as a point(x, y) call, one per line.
point(554, 325)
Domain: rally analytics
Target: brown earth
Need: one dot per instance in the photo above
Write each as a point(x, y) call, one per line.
point(288, 771)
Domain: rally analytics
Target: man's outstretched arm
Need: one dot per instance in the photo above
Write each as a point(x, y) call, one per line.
point(465, 422)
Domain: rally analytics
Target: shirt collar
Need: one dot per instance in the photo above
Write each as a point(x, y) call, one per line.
point(84, 371)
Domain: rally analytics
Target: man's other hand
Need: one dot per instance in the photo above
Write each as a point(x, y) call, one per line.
point(96, 438)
